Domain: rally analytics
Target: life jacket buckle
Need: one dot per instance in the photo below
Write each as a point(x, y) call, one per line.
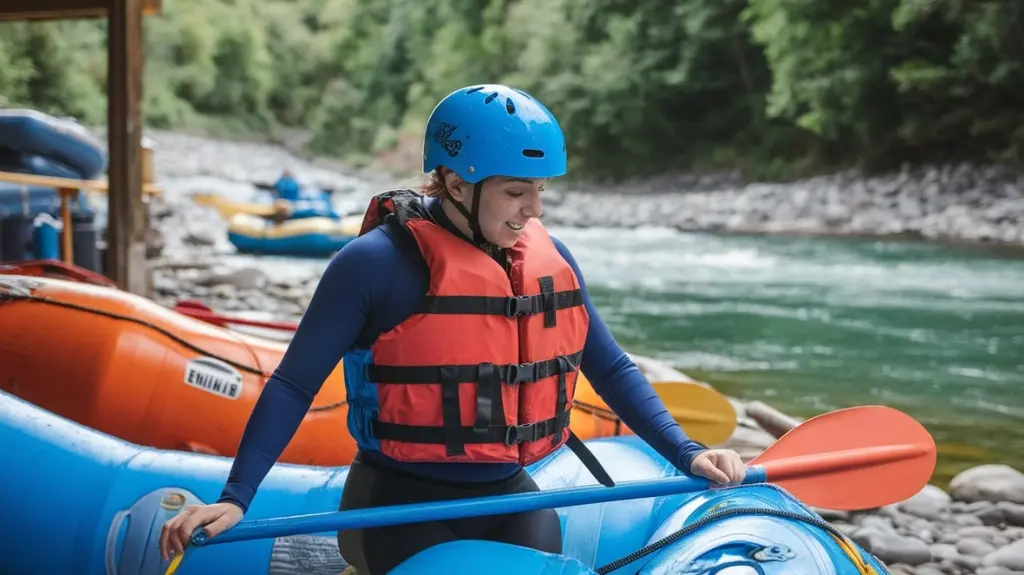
point(521, 373)
point(518, 305)
point(512, 435)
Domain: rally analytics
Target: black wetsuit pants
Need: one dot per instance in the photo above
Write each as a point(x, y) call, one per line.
point(377, 550)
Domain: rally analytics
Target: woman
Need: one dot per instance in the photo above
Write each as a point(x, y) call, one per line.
point(462, 325)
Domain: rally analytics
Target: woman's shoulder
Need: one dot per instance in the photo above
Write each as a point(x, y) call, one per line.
point(564, 251)
point(371, 255)
point(376, 243)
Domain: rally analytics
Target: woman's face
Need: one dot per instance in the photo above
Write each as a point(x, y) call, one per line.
point(506, 206)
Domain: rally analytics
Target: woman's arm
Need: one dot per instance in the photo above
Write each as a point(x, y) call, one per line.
point(336, 315)
point(622, 386)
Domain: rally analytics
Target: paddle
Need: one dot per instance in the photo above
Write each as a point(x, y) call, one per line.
point(228, 207)
point(201, 311)
point(703, 412)
point(855, 458)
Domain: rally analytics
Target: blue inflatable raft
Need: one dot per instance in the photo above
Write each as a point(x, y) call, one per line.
point(78, 501)
point(36, 143)
point(306, 237)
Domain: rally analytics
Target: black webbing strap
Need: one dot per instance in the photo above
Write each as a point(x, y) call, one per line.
point(511, 374)
point(451, 413)
point(488, 397)
point(547, 295)
point(561, 396)
point(547, 303)
point(589, 460)
point(507, 434)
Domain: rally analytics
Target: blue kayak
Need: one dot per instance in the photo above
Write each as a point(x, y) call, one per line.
point(79, 501)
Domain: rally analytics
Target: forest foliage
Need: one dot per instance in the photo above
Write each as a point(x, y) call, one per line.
point(772, 87)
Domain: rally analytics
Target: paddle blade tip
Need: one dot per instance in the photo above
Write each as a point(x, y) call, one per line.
point(855, 458)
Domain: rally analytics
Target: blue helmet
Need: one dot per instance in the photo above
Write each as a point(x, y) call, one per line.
point(493, 130)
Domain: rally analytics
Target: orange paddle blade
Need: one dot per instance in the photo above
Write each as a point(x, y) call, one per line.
point(855, 458)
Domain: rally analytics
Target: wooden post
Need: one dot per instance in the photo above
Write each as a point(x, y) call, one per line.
point(126, 247)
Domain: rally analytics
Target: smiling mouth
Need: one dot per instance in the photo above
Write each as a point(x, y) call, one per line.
point(516, 227)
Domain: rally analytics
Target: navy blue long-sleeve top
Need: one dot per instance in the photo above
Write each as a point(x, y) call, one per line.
point(368, 288)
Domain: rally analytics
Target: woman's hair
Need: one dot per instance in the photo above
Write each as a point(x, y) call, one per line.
point(434, 186)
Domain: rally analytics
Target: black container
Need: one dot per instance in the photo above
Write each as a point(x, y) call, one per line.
point(15, 238)
point(85, 238)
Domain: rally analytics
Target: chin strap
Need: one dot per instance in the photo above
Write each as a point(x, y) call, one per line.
point(473, 215)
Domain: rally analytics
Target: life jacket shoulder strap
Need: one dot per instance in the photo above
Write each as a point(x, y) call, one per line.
point(399, 205)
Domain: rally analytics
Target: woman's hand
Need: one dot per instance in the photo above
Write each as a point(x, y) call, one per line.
point(177, 531)
point(723, 466)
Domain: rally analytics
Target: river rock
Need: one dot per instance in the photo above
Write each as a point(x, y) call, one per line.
point(995, 570)
point(993, 482)
point(969, 563)
point(929, 503)
point(201, 237)
point(248, 278)
point(943, 551)
point(1009, 557)
point(1012, 513)
point(986, 534)
point(974, 546)
point(748, 442)
point(895, 548)
point(770, 419)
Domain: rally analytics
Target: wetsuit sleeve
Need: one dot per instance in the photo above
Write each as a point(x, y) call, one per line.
point(625, 389)
point(333, 320)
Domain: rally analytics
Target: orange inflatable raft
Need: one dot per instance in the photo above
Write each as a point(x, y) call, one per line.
point(127, 366)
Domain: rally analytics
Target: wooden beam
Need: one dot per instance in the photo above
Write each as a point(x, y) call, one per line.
point(126, 241)
point(101, 186)
point(13, 10)
point(68, 188)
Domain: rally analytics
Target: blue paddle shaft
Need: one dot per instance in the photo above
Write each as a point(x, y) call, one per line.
point(457, 509)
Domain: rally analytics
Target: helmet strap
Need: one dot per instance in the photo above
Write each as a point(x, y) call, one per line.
point(472, 215)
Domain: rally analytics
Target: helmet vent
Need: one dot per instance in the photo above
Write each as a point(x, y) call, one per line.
point(510, 107)
point(490, 97)
point(476, 89)
point(523, 93)
point(533, 153)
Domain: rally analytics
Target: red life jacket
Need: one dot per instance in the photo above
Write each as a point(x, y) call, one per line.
point(485, 370)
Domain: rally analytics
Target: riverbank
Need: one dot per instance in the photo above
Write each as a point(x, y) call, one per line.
point(964, 203)
point(959, 203)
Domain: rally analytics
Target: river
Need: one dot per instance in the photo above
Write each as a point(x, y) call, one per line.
point(815, 324)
